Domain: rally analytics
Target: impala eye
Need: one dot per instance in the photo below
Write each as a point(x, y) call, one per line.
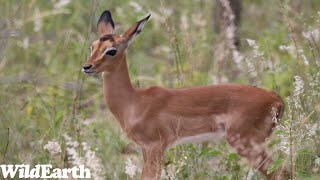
point(112, 52)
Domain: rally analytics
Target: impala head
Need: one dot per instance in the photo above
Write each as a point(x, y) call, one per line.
point(108, 50)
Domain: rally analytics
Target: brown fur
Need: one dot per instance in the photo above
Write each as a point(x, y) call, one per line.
point(156, 117)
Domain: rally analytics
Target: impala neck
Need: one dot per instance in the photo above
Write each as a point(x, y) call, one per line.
point(118, 90)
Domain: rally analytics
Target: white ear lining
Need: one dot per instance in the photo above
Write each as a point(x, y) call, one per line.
point(140, 26)
point(91, 51)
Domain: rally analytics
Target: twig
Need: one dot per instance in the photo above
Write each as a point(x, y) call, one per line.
point(305, 120)
point(231, 32)
point(292, 34)
point(81, 78)
point(291, 149)
point(5, 151)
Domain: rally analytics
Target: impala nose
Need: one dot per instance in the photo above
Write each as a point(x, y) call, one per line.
point(86, 66)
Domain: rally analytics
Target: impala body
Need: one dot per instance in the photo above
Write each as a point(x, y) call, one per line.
point(157, 118)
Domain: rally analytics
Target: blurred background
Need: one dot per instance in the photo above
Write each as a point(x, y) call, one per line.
point(51, 113)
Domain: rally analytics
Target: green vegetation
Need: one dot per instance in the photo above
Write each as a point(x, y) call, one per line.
point(45, 97)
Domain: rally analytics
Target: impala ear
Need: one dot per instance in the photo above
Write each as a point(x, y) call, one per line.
point(105, 24)
point(134, 30)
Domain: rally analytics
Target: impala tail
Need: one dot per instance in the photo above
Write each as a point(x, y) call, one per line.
point(278, 109)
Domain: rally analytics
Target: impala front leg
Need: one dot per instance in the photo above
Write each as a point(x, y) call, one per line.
point(153, 159)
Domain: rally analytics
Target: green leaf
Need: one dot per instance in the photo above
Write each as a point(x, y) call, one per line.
point(304, 151)
point(303, 174)
point(232, 156)
point(210, 152)
point(58, 120)
point(274, 166)
point(204, 151)
point(278, 132)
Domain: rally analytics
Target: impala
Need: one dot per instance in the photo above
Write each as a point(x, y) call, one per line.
point(157, 118)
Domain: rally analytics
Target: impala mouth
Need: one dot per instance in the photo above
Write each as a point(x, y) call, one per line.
point(88, 71)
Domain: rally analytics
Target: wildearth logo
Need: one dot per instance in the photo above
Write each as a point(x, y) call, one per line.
point(43, 171)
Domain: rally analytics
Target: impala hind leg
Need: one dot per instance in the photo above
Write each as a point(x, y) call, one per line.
point(153, 159)
point(253, 149)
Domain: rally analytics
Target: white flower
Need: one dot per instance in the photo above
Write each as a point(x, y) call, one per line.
point(298, 90)
point(312, 130)
point(251, 69)
point(237, 57)
point(184, 22)
point(251, 42)
point(285, 48)
point(298, 85)
point(274, 114)
point(166, 11)
point(61, 4)
point(37, 20)
point(284, 144)
point(307, 34)
point(130, 168)
point(255, 47)
point(200, 21)
point(303, 56)
point(89, 159)
point(53, 147)
point(288, 48)
point(24, 43)
point(250, 174)
point(136, 6)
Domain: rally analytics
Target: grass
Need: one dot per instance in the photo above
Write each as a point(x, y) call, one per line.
point(43, 94)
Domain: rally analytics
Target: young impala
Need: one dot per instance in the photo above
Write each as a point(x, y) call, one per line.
point(157, 118)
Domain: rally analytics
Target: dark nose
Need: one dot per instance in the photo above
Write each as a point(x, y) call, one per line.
point(87, 66)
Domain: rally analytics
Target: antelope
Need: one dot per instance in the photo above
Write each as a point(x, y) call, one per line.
point(157, 118)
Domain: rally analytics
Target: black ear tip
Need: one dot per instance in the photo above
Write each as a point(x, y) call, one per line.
point(106, 17)
point(147, 18)
point(106, 12)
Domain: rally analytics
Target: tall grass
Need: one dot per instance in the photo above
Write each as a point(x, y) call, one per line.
point(44, 97)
